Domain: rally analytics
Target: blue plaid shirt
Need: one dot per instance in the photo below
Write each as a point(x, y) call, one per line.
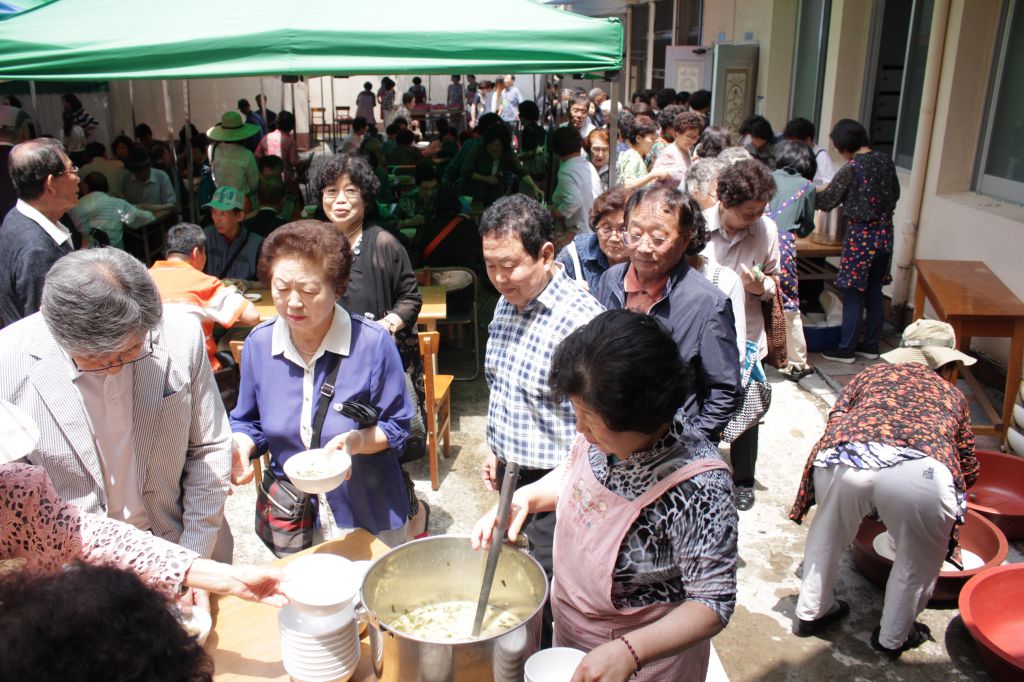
point(525, 424)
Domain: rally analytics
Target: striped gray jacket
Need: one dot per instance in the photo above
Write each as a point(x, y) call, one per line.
point(182, 438)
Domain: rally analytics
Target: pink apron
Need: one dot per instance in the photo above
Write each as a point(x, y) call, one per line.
point(592, 522)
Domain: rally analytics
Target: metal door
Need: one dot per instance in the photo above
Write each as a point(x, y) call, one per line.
point(734, 82)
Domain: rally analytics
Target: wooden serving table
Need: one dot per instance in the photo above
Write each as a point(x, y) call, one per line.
point(245, 641)
point(811, 257)
point(969, 296)
point(435, 306)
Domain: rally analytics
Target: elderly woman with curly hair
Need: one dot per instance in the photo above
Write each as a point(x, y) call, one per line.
point(677, 157)
point(645, 536)
point(663, 226)
point(382, 285)
point(588, 256)
point(741, 237)
point(287, 361)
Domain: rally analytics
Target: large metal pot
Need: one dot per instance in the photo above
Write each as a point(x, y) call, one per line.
point(829, 227)
point(441, 569)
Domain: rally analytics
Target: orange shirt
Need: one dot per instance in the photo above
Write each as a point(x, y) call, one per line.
point(201, 295)
point(641, 298)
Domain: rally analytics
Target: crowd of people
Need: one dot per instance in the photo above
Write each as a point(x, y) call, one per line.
point(628, 324)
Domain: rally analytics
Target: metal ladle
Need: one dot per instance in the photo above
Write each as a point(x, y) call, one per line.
point(508, 486)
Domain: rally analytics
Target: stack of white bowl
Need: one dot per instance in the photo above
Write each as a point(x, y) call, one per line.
point(319, 633)
point(318, 648)
point(1015, 430)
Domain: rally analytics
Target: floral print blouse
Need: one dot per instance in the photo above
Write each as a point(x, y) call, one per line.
point(36, 525)
point(684, 545)
point(907, 405)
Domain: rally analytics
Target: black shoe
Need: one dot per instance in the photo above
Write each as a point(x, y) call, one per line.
point(865, 352)
point(797, 374)
point(919, 634)
point(845, 356)
point(744, 497)
point(806, 628)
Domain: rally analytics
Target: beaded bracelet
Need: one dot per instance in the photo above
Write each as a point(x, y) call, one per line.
point(632, 651)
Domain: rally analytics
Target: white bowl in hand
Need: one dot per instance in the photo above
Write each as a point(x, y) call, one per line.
point(316, 471)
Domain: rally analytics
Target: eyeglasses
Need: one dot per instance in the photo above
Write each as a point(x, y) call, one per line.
point(144, 352)
point(608, 231)
point(331, 193)
point(70, 171)
point(636, 238)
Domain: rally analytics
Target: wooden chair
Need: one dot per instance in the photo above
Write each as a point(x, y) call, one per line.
point(438, 413)
point(319, 126)
point(343, 119)
point(259, 463)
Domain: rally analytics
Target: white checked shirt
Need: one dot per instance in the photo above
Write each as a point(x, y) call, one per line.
point(524, 423)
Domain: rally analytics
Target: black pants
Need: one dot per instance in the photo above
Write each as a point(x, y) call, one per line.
point(744, 457)
point(540, 529)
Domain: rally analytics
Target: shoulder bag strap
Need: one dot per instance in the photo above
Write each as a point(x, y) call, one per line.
point(231, 261)
point(326, 394)
point(441, 236)
point(577, 266)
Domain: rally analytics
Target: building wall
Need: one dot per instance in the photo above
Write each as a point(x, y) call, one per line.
point(772, 24)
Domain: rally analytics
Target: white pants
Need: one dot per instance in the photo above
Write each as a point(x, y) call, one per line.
point(796, 345)
point(917, 503)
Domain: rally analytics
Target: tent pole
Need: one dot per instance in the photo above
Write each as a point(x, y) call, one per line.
point(613, 134)
point(629, 47)
point(131, 104)
point(35, 102)
point(649, 77)
point(263, 106)
point(170, 133)
point(334, 118)
point(192, 214)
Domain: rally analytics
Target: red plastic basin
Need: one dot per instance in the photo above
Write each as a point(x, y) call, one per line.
point(978, 535)
point(998, 493)
point(990, 606)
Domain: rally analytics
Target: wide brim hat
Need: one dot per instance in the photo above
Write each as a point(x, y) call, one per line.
point(18, 433)
point(232, 128)
point(929, 342)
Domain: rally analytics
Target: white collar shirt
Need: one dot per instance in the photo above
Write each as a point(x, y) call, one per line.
point(57, 232)
point(337, 340)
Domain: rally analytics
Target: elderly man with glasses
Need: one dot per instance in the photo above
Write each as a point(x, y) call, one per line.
point(131, 424)
point(31, 236)
point(662, 226)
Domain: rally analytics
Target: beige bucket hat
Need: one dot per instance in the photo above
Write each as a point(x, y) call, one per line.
point(18, 433)
point(232, 128)
point(929, 342)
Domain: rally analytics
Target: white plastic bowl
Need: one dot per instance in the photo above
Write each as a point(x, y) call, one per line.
point(1016, 441)
point(553, 665)
point(320, 585)
point(331, 469)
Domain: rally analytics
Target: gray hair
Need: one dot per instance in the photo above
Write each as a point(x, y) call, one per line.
point(596, 92)
point(96, 301)
point(733, 154)
point(702, 175)
point(183, 238)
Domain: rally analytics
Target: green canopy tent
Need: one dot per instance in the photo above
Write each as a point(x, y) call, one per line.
point(138, 39)
point(66, 40)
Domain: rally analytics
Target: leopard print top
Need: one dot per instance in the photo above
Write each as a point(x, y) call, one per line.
point(682, 546)
point(36, 525)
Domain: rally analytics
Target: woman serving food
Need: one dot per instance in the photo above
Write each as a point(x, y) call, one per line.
point(645, 541)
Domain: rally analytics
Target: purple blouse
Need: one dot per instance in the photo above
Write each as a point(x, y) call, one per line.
point(270, 402)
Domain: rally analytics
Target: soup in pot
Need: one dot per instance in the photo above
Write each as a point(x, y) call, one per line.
point(452, 621)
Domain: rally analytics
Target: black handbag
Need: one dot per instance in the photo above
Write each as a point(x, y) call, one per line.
point(286, 516)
